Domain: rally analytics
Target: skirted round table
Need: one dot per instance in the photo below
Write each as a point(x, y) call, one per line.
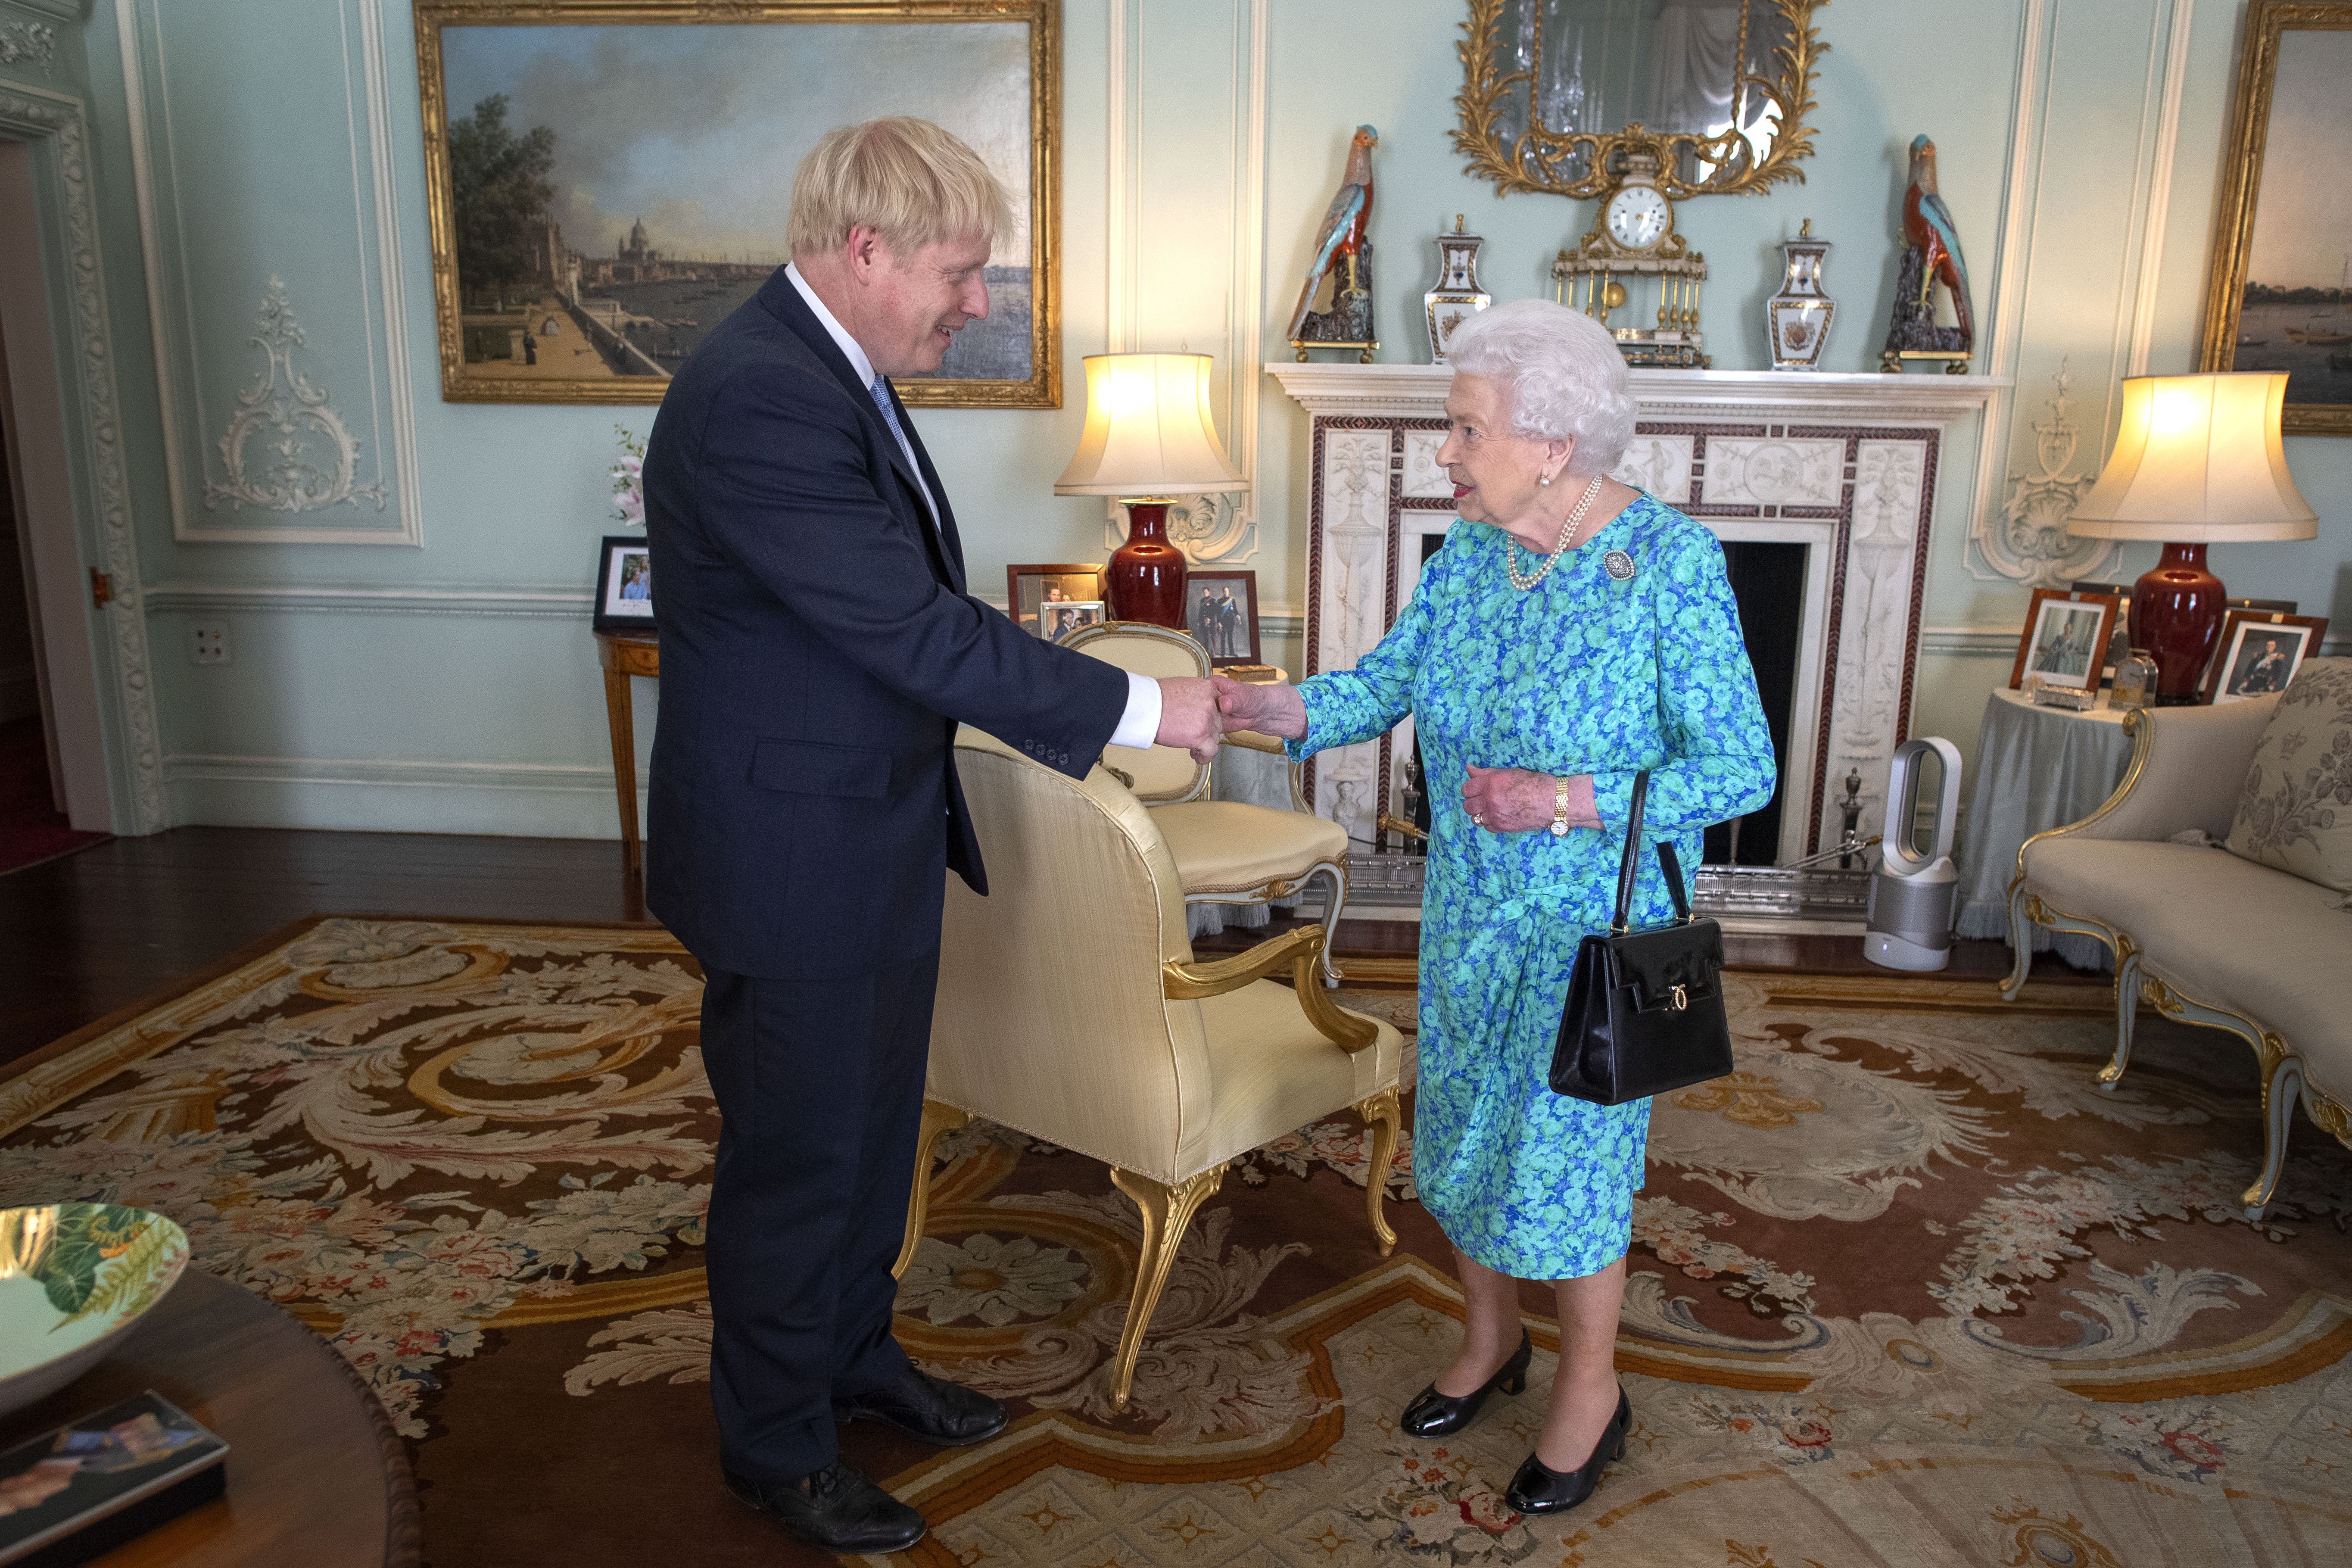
point(2036, 768)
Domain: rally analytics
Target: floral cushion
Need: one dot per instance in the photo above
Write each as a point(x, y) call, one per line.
point(2294, 811)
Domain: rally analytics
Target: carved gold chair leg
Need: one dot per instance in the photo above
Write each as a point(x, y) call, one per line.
point(937, 1117)
point(1338, 902)
point(1386, 1118)
point(2021, 940)
point(2281, 1089)
point(2128, 957)
point(1167, 1211)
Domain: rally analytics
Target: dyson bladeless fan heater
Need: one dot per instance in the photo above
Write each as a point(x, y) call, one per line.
point(1909, 916)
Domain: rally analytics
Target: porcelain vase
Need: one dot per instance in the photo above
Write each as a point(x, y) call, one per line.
point(1797, 319)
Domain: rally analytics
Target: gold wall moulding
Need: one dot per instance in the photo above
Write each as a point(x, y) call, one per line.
point(674, 222)
point(1503, 133)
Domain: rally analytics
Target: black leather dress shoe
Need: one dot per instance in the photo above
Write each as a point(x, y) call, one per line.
point(931, 1408)
point(835, 1508)
point(1434, 1414)
point(1539, 1489)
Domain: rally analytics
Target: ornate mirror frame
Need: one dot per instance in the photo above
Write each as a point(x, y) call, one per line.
point(1541, 158)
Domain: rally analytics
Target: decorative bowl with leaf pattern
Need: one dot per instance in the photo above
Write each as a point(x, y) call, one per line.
point(73, 1278)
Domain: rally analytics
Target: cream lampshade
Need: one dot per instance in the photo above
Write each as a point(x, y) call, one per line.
point(2199, 459)
point(1148, 435)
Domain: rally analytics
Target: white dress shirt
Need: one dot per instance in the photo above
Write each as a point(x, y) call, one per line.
point(1139, 725)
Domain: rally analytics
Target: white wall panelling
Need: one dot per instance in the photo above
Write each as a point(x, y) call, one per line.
point(2088, 196)
point(1156, 299)
point(210, 234)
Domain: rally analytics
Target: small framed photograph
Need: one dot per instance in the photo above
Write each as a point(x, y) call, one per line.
point(1221, 611)
point(1027, 588)
point(84, 1488)
point(2259, 652)
point(625, 583)
point(2065, 638)
point(1057, 618)
point(2119, 641)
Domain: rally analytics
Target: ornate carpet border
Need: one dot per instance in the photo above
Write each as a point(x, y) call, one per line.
point(57, 1072)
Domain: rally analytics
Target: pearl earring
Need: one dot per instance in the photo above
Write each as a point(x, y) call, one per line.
point(1544, 479)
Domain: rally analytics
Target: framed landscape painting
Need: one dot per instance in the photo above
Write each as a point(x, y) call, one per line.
point(2280, 296)
point(607, 180)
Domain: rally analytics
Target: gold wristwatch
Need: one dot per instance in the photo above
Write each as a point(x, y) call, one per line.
point(1559, 810)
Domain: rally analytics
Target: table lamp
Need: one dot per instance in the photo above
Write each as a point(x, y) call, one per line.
point(2197, 460)
point(1149, 437)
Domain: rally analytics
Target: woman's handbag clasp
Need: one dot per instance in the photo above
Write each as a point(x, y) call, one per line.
point(1682, 998)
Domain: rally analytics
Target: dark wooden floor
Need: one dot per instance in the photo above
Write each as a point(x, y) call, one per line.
point(94, 933)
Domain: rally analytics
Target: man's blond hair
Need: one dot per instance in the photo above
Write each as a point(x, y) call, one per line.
point(914, 183)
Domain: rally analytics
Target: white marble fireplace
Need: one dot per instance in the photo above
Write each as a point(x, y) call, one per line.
point(1844, 465)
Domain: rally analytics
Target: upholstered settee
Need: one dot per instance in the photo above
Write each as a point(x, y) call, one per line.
point(2217, 874)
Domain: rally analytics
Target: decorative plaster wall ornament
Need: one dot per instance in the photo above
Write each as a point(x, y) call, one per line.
point(2028, 541)
point(294, 423)
point(27, 44)
point(89, 377)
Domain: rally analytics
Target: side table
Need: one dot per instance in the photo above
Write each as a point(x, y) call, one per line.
point(2036, 768)
point(316, 1474)
point(622, 655)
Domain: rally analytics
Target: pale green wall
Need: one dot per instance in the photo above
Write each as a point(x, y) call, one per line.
point(430, 715)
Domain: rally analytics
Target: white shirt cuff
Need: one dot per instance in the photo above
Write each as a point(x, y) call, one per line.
point(1139, 725)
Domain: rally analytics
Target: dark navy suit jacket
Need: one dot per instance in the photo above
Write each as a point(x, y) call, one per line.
point(818, 648)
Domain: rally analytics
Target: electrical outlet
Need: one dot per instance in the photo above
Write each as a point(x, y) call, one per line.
point(210, 643)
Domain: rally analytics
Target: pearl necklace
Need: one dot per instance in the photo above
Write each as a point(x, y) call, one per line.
point(1567, 531)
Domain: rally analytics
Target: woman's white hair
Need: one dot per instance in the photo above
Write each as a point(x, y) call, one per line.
point(1562, 377)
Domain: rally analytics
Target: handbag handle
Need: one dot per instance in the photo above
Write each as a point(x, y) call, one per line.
point(1630, 861)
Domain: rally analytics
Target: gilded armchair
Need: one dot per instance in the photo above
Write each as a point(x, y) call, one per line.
point(1070, 1008)
point(1226, 852)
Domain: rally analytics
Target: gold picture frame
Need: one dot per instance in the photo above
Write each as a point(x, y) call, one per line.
point(1541, 158)
point(2243, 333)
point(616, 352)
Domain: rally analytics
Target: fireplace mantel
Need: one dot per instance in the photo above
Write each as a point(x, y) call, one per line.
point(1844, 465)
point(1808, 395)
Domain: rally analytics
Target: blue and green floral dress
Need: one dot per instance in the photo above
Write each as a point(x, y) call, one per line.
point(1586, 673)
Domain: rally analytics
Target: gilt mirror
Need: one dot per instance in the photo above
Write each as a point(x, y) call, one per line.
point(1554, 92)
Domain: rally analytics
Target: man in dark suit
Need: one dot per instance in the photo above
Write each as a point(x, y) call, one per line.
point(819, 647)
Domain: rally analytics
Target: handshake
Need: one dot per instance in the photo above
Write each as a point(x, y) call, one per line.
point(1195, 714)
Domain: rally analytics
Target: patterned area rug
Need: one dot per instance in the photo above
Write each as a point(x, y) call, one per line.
point(1906, 1288)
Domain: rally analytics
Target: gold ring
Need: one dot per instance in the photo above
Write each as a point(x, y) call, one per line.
point(1478, 819)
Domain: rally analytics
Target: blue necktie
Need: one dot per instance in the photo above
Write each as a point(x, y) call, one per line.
point(881, 390)
point(890, 416)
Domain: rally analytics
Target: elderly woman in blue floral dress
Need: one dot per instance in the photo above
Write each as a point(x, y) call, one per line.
point(1571, 632)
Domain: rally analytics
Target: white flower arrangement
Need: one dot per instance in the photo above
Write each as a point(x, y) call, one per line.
point(628, 479)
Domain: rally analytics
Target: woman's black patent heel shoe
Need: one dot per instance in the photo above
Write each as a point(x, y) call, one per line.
point(1539, 1489)
point(1434, 1414)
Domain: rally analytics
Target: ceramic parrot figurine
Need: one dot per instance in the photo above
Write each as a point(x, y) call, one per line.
point(1341, 240)
point(1927, 227)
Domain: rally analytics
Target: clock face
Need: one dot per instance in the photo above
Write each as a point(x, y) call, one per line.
point(1638, 216)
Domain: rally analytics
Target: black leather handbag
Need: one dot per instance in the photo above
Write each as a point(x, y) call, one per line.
point(1645, 1012)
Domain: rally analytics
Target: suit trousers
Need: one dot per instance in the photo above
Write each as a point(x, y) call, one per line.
point(820, 1092)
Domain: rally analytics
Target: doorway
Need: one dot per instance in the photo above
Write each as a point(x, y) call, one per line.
point(34, 824)
point(53, 794)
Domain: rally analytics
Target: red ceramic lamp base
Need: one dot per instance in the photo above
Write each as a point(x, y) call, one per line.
point(2175, 616)
point(1147, 573)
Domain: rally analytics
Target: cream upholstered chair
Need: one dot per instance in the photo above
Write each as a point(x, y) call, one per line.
point(1070, 1008)
point(1226, 851)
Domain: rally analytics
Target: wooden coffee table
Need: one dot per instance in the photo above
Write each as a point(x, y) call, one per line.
point(315, 1474)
